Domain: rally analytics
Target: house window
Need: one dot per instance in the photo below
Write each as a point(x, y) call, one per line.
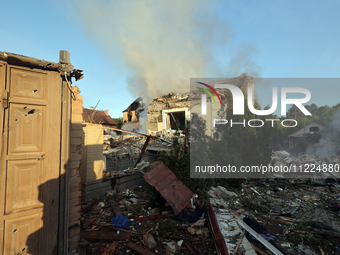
point(129, 116)
point(177, 120)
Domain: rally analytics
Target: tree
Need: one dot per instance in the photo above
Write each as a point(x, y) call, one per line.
point(242, 145)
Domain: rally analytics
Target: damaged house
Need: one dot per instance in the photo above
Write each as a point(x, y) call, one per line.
point(99, 117)
point(169, 113)
point(172, 112)
point(131, 114)
point(244, 81)
point(310, 133)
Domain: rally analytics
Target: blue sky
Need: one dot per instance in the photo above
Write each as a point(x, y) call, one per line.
point(270, 39)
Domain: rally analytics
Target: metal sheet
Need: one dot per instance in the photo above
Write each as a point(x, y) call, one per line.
point(171, 188)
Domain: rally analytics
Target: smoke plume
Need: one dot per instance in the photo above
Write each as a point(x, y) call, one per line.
point(163, 43)
point(329, 142)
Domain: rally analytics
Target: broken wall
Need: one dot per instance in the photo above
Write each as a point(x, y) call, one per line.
point(74, 213)
point(159, 111)
point(92, 150)
point(133, 117)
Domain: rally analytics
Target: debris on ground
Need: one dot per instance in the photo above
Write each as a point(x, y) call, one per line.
point(295, 216)
point(137, 223)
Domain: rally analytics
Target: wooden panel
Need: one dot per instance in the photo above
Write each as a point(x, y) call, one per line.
point(25, 178)
point(3, 67)
point(64, 176)
point(22, 235)
point(30, 173)
point(25, 128)
point(28, 84)
point(52, 168)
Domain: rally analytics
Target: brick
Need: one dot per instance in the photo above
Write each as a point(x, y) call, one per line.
point(75, 141)
point(77, 104)
point(74, 202)
point(77, 110)
point(79, 98)
point(76, 118)
point(73, 240)
point(75, 187)
point(75, 194)
point(76, 126)
point(74, 148)
point(73, 247)
point(75, 156)
point(74, 164)
point(74, 209)
point(75, 222)
point(75, 216)
point(74, 232)
point(76, 133)
point(75, 180)
point(74, 172)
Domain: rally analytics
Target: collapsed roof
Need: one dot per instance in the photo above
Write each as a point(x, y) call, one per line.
point(98, 116)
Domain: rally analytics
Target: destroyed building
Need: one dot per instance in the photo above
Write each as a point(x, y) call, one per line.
point(171, 112)
point(131, 114)
point(243, 81)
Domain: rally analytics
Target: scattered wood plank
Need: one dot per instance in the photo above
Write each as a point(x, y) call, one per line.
point(106, 236)
point(139, 249)
point(111, 250)
point(276, 220)
point(190, 247)
point(239, 242)
point(258, 250)
point(317, 232)
point(114, 208)
point(258, 237)
point(325, 233)
point(89, 208)
point(336, 186)
point(308, 198)
point(322, 252)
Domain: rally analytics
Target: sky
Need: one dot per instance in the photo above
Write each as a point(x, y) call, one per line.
point(149, 48)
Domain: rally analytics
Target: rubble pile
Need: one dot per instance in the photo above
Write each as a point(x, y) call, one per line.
point(305, 166)
point(294, 216)
point(284, 157)
point(134, 222)
point(167, 102)
point(129, 148)
point(131, 145)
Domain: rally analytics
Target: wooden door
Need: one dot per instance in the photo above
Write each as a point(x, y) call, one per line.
point(30, 160)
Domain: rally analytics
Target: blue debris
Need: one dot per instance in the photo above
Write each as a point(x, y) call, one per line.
point(121, 221)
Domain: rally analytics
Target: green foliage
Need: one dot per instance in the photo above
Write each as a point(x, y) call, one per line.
point(178, 159)
point(120, 123)
point(322, 114)
point(241, 145)
point(167, 227)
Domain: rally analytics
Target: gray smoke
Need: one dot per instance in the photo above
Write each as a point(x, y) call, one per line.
point(129, 127)
point(164, 43)
point(330, 140)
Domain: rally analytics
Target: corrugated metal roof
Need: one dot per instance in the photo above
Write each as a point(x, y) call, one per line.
point(171, 188)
